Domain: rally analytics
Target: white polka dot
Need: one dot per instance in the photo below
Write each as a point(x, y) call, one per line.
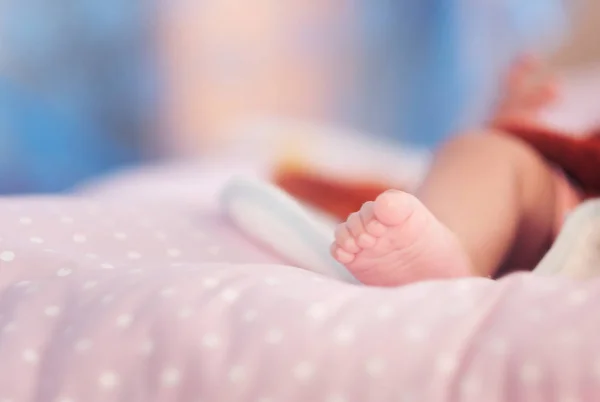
point(79, 238)
point(66, 220)
point(230, 295)
point(530, 373)
point(9, 327)
point(384, 311)
point(120, 236)
point(250, 315)
point(108, 380)
point(124, 320)
point(211, 341)
point(160, 235)
point(577, 297)
point(570, 398)
point(534, 314)
point(185, 313)
point(25, 220)
point(22, 284)
point(274, 336)
point(210, 283)
point(31, 289)
point(237, 374)
point(470, 387)
point(92, 209)
point(214, 250)
point(174, 252)
point(569, 338)
point(36, 240)
point(147, 347)
point(343, 336)
point(107, 299)
point(134, 255)
point(64, 272)
point(170, 377)
point(168, 292)
point(82, 345)
point(317, 311)
point(145, 222)
point(303, 371)
point(52, 311)
point(375, 367)
point(270, 281)
point(596, 369)
point(107, 266)
point(446, 364)
point(7, 256)
point(30, 356)
point(414, 333)
point(336, 398)
point(498, 346)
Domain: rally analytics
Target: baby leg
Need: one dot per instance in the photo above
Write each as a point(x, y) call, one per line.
point(498, 196)
point(489, 199)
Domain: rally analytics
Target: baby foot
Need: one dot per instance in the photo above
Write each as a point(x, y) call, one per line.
point(395, 240)
point(528, 89)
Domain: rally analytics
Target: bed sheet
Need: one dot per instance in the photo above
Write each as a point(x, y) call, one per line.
point(152, 301)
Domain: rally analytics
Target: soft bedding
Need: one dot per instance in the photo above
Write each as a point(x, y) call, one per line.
point(105, 300)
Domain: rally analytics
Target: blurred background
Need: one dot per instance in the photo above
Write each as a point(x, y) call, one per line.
point(89, 87)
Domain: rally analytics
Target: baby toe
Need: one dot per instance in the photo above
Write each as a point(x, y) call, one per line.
point(371, 224)
point(366, 240)
point(394, 207)
point(376, 228)
point(355, 224)
point(341, 255)
point(344, 239)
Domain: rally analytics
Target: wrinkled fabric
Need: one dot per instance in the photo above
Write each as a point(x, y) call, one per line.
point(102, 300)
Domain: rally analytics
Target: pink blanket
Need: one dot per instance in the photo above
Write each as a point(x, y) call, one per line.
point(105, 301)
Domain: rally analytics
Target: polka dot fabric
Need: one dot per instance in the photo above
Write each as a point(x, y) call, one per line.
point(105, 301)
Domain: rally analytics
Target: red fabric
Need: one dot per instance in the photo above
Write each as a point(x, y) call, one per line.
point(337, 197)
point(579, 157)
